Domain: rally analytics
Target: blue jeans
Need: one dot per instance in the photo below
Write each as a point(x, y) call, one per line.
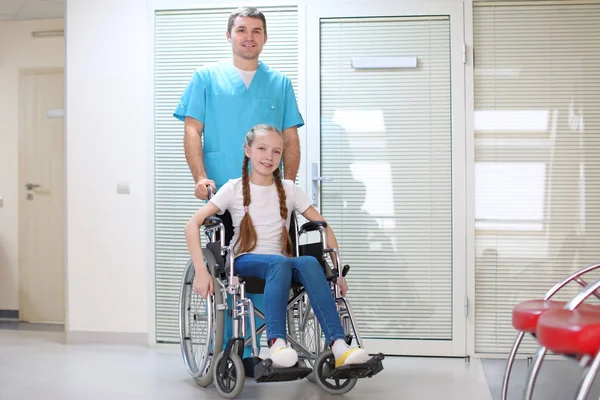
point(278, 272)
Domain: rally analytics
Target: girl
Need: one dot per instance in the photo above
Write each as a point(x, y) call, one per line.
point(260, 204)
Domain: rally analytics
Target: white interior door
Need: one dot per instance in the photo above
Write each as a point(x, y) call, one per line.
point(385, 165)
point(41, 198)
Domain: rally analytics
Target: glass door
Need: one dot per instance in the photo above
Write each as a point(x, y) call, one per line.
point(385, 165)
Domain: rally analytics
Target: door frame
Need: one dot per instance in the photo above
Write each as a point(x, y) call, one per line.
point(24, 73)
point(391, 8)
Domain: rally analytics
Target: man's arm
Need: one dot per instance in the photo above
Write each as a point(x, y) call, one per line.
point(291, 153)
point(192, 144)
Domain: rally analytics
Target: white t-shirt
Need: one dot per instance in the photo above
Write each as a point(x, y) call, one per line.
point(246, 76)
point(264, 210)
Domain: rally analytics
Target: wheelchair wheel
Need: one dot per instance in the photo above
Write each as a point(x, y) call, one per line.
point(324, 364)
point(231, 383)
point(201, 325)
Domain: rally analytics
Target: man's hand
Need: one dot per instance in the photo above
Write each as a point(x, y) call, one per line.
point(202, 185)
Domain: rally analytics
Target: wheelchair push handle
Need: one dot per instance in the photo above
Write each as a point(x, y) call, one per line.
point(345, 270)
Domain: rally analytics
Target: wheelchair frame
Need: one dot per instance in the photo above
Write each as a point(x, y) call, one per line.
point(229, 362)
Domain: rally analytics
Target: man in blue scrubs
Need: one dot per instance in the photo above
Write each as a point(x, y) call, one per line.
point(222, 101)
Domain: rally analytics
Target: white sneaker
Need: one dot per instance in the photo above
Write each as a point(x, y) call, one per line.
point(282, 355)
point(345, 355)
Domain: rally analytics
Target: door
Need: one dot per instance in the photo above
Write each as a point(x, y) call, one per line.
point(41, 197)
point(385, 165)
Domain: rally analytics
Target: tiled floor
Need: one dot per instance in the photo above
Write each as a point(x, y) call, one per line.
point(35, 364)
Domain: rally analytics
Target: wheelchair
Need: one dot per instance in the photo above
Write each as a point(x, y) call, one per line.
point(201, 321)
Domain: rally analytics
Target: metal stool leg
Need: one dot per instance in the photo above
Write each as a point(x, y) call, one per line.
point(586, 384)
point(536, 367)
point(509, 364)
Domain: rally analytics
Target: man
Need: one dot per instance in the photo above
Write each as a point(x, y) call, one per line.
point(224, 100)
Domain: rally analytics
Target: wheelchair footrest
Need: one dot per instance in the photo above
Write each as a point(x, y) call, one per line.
point(249, 364)
point(355, 371)
point(265, 372)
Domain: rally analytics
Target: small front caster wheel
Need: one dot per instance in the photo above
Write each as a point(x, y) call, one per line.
point(231, 383)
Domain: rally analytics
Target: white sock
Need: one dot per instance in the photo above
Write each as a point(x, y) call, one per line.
point(357, 356)
point(282, 355)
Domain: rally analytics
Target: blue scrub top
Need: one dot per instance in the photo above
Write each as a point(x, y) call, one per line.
point(217, 96)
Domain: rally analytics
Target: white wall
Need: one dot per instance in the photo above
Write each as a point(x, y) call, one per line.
point(107, 127)
point(18, 50)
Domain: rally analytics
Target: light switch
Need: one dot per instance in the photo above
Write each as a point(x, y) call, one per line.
point(1, 202)
point(58, 113)
point(123, 188)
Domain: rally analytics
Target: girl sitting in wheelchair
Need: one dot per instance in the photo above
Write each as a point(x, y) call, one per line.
point(260, 204)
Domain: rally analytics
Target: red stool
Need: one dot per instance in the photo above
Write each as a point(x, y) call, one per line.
point(526, 315)
point(571, 331)
point(525, 318)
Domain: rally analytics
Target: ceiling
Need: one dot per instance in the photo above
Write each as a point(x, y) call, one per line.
point(31, 9)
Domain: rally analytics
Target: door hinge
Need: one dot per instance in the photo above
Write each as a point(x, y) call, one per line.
point(464, 53)
point(466, 305)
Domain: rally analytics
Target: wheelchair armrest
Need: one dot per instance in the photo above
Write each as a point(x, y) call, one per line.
point(212, 222)
point(313, 226)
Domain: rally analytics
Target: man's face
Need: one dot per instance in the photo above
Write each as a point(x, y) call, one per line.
point(247, 37)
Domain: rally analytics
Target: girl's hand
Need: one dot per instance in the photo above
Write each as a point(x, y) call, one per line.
point(203, 284)
point(341, 282)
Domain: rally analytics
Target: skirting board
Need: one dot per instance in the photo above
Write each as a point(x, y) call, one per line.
point(9, 314)
point(116, 338)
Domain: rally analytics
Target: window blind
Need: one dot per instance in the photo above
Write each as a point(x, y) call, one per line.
point(386, 143)
point(185, 40)
point(537, 144)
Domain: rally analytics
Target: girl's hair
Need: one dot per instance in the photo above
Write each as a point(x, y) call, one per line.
point(246, 241)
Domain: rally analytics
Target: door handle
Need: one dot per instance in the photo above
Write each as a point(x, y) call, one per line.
point(316, 178)
point(31, 186)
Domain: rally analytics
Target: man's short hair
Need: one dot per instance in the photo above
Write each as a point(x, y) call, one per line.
point(246, 12)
